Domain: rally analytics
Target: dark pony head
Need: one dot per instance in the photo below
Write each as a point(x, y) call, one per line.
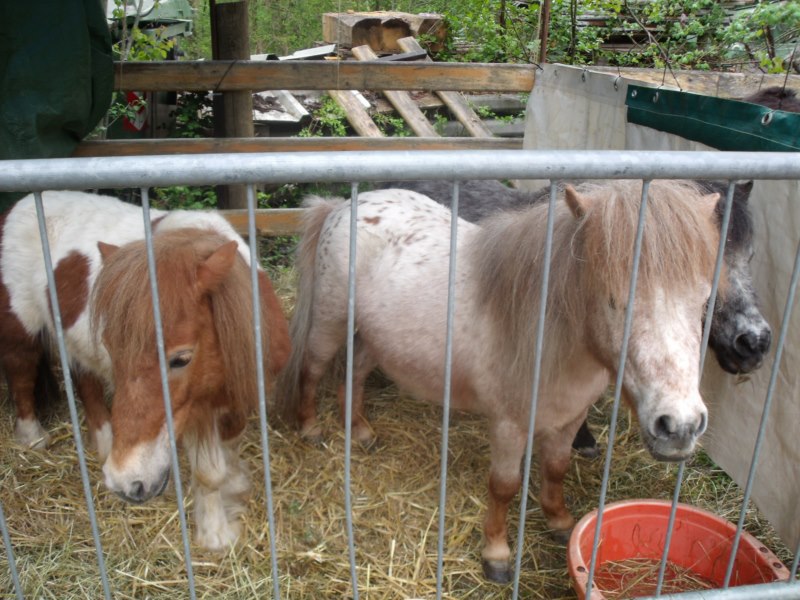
point(740, 335)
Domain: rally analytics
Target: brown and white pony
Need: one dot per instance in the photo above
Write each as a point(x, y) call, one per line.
point(107, 314)
point(401, 282)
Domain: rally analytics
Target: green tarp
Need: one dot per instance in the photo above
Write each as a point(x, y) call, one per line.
point(56, 76)
point(716, 122)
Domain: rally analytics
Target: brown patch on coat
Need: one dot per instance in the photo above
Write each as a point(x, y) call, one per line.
point(19, 353)
point(72, 287)
point(372, 220)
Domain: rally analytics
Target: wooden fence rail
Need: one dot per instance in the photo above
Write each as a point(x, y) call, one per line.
point(227, 75)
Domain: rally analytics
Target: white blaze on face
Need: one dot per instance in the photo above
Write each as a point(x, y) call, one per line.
point(663, 371)
point(146, 464)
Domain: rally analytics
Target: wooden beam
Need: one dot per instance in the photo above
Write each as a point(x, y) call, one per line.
point(381, 29)
point(233, 110)
point(288, 144)
point(224, 75)
point(269, 221)
point(454, 101)
point(401, 100)
point(355, 113)
point(721, 85)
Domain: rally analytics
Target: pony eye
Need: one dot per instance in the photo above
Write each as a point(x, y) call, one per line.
point(180, 359)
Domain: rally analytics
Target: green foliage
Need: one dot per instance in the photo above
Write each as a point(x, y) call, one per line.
point(193, 115)
point(327, 120)
point(686, 33)
point(392, 125)
point(141, 46)
point(757, 35)
point(184, 197)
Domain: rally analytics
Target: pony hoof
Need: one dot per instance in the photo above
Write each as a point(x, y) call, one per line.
point(590, 452)
point(311, 434)
point(314, 440)
point(29, 433)
point(561, 536)
point(497, 571)
point(372, 444)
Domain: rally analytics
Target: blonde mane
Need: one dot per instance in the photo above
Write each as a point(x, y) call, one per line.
point(591, 261)
point(122, 307)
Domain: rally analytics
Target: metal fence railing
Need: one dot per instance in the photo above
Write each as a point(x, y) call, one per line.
point(252, 169)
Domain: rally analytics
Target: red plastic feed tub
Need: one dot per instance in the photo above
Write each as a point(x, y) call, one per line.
point(701, 542)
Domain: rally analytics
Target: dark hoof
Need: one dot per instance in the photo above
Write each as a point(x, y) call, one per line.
point(314, 440)
point(497, 571)
point(590, 452)
point(560, 536)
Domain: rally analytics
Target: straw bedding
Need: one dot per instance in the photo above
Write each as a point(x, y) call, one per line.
point(395, 489)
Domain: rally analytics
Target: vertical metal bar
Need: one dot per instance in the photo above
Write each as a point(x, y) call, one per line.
point(537, 369)
point(712, 302)
point(762, 427)
point(348, 389)
point(12, 565)
point(612, 429)
point(73, 411)
point(162, 363)
point(262, 402)
point(795, 564)
point(448, 373)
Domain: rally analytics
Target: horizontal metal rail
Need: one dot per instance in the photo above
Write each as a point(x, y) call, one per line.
point(779, 590)
point(87, 173)
point(222, 169)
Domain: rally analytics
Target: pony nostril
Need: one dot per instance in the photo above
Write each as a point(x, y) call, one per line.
point(764, 341)
point(746, 343)
point(664, 427)
point(703, 424)
point(137, 491)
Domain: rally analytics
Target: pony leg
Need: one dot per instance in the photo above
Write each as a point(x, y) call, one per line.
point(323, 343)
point(20, 362)
point(505, 479)
point(554, 456)
point(221, 485)
point(584, 443)
point(363, 364)
point(98, 419)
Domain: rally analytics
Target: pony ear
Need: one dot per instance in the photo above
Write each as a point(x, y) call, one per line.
point(742, 190)
point(106, 250)
point(577, 203)
point(216, 267)
point(711, 202)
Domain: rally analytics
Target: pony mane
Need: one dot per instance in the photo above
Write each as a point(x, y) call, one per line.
point(591, 258)
point(122, 307)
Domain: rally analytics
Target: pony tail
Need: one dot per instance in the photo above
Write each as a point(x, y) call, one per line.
point(288, 385)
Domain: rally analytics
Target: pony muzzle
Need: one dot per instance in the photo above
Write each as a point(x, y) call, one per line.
point(673, 438)
point(138, 493)
point(140, 473)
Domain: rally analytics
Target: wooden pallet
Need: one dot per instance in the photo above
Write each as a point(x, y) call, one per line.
point(402, 101)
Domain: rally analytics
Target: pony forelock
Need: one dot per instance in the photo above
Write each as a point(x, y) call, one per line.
point(591, 260)
point(122, 309)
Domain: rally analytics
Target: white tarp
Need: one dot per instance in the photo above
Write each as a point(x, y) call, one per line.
point(573, 108)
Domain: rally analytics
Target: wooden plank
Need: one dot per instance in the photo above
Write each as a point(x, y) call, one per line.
point(402, 101)
point(269, 221)
point(380, 30)
point(722, 85)
point(200, 76)
point(293, 144)
point(233, 111)
point(454, 101)
point(355, 113)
